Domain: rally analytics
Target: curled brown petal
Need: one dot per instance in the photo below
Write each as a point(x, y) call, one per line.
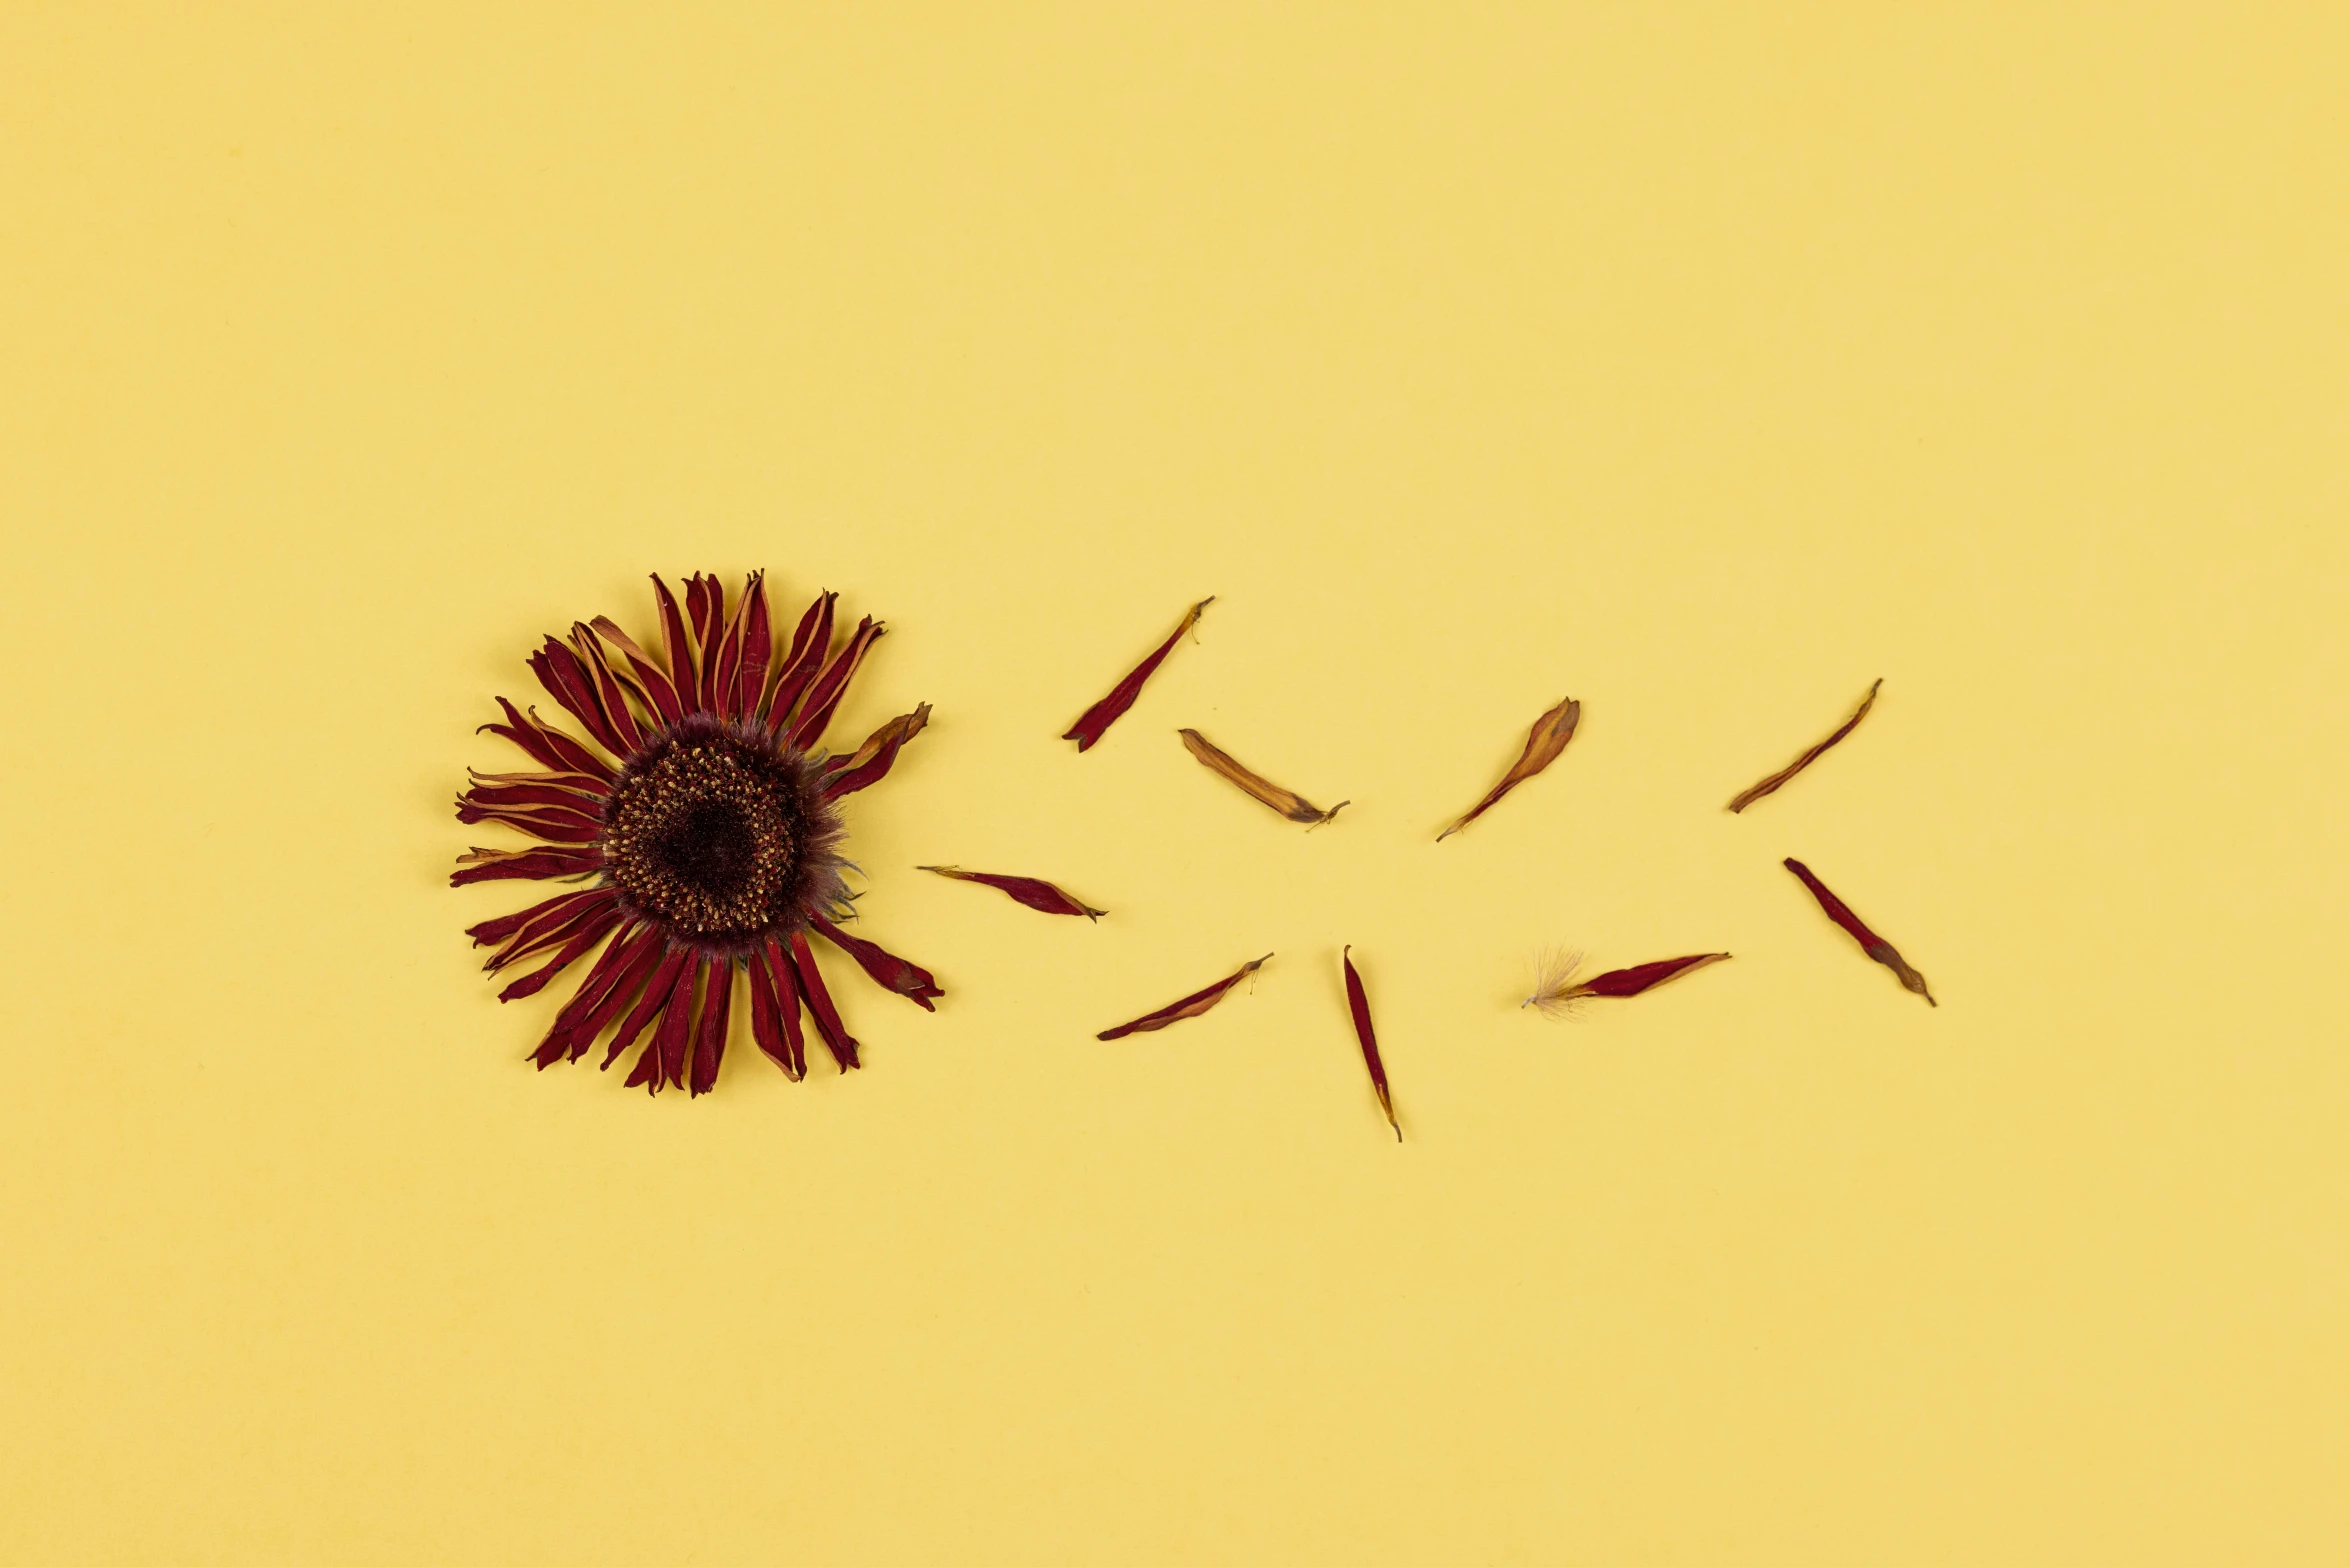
point(1871, 943)
point(1026, 890)
point(1262, 790)
point(1771, 784)
point(1544, 742)
point(1190, 1006)
point(1098, 718)
point(1360, 1005)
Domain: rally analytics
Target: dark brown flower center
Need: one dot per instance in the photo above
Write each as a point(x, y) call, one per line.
point(706, 832)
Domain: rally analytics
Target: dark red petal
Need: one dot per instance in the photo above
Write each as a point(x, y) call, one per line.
point(547, 746)
point(522, 864)
point(758, 648)
point(1190, 1006)
point(1645, 976)
point(727, 666)
point(710, 1028)
point(655, 996)
point(1360, 1006)
point(568, 682)
point(663, 1059)
point(538, 821)
point(610, 985)
point(828, 1024)
point(887, 969)
point(676, 645)
point(491, 931)
point(832, 685)
point(590, 653)
point(575, 756)
point(785, 976)
point(596, 928)
point(1026, 890)
point(871, 762)
point(547, 933)
point(766, 1027)
point(651, 677)
point(536, 794)
point(809, 644)
point(1109, 709)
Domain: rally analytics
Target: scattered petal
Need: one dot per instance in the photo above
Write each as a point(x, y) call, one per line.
point(1026, 890)
point(1265, 792)
point(1360, 1005)
point(1871, 943)
point(1098, 718)
point(1771, 784)
point(1544, 742)
point(1190, 1006)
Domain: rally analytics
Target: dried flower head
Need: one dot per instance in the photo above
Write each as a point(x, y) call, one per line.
point(704, 818)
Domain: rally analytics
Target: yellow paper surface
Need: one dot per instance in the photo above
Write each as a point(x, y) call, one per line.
point(1701, 363)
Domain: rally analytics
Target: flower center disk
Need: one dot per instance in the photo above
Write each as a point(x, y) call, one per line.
point(705, 832)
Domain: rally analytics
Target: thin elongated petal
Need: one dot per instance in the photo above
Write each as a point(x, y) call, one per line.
point(609, 692)
point(609, 987)
point(1096, 720)
point(662, 1061)
point(1035, 894)
point(651, 1002)
point(758, 648)
point(1190, 1006)
point(825, 695)
point(678, 647)
point(784, 974)
point(568, 681)
point(1544, 742)
point(808, 646)
point(588, 805)
point(1360, 1006)
point(1871, 943)
point(539, 821)
point(1262, 790)
point(562, 906)
point(542, 934)
point(766, 1015)
point(871, 762)
point(887, 969)
point(549, 747)
point(1771, 784)
point(835, 1035)
point(726, 670)
point(703, 601)
point(651, 678)
point(595, 929)
point(1644, 976)
point(710, 1028)
point(589, 789)
point(522, 864)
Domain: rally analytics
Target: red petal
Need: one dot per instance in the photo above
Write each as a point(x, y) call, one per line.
point(663, 1059)
point(548, 747)
point(568, 682)
point(871, 762)
point(678, 647)
point(758, 649)
point(610, 985)
point(727, 666)
point(782, 973)
point(522, 864)
point(888, 970)
point(1645, 976)
point(649, 1004)
point(491, 931)
point(545, 933)
point(828, 1025)
point(651, 677)
point(766, 1026)
point(1025, 890)
point(832, 685)
point(1109, 709)
point(808, 647)
point(1360, 1006)
point(710, 1028)
point(615, 703)
point(596, 928)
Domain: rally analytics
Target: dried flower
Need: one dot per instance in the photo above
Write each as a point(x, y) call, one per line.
point(1262, 790)
point(1190, 1006)
point(1111, 708)
point(1771, 784)
point(707, 825)
point(1544, 742)
point(1557, 994)
point(1027, 890)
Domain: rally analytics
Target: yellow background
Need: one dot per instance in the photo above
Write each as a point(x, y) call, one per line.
point(1700, 363)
